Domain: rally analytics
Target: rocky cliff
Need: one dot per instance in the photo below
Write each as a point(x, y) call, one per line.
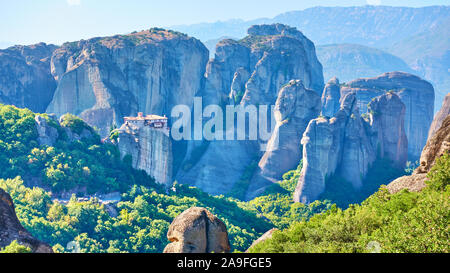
point(247, 72)
point(197, 230)
point(436, 146)
point(352, 61)
point(347, 144)
point(150, 150)
point(440, 117)
point(25, 78)
point(104, 79)
point(48, 133)
point(415, 93)
point(11, 229)
point(331, 98)
point(294, 108)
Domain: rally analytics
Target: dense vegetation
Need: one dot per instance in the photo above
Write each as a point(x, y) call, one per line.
point(86, 166)
point(402, 222)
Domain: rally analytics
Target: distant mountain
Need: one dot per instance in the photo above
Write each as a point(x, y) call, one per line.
point(350, 61)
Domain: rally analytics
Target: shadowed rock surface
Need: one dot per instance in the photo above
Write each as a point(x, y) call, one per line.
point(440, 117)
point(331, 98)
point(266, 236)
point(197, 230)
point(436, 147)
point(11, 229)
point(388, 134)
point(25, 78)
point(346, 145)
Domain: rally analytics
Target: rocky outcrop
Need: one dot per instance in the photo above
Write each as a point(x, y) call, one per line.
point(294, 108)
point(104, 79)
point(415, 93)
point(25, 78)
point(197, 230)
point(47, 134)
point(250, 72)
point(68, 127)
point(266, 236)
point(346, 145)
point(11, 229)
point(440, 117)
point(352, 61)
point(150, 150)
point(436, 146)
point(331, 98)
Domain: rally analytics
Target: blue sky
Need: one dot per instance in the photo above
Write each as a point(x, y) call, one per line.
point(58, 21)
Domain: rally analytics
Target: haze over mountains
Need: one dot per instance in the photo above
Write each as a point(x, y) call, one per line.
point(420, 36)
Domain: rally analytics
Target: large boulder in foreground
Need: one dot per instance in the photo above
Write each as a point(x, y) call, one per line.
point(197, 230)
point(11, 229)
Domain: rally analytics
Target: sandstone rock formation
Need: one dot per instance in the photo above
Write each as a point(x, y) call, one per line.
point(415, 93)
point(266, 236)
point(196, 230)
point(347, 144)
point(436, 146)
point(331, 97)
point(150, 150)
point(25, 79)
point(294, 108)
point(11, 229)
point(250, 72)
point(440, 117)
point(104, 79)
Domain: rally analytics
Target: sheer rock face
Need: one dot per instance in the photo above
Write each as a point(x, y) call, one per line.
point(104, 79)
point(197, 230)
point(11, 229)
point(436, 146)
point(346, 145)
point(294, 108)
point(250, 72)
point(26, 80)
point(415, 93)
point(47, 134)
point(440, 117)
point(266, 236)
point(150, 150)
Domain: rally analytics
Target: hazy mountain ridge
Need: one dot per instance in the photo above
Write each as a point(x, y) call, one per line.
point(420, 36)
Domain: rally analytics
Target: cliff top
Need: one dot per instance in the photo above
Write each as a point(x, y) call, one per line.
point(150, 36)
